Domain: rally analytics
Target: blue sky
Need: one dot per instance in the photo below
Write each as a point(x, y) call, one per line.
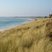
point(25, 7)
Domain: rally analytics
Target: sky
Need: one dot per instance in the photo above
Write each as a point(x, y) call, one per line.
point(25, 7)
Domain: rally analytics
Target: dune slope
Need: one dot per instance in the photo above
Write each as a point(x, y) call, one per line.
point(35, 36)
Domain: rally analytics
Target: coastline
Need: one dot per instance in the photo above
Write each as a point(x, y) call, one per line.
point(33, 35)
point(30, 23)
point(17, 25)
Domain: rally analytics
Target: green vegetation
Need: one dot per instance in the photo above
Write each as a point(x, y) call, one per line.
point(35, 36)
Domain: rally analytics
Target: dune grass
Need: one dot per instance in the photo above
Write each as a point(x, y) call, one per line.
point(35, 36)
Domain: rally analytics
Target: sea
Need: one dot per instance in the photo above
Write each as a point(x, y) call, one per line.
point(9, 22)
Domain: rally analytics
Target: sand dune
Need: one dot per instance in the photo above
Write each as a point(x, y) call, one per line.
point(35, 36)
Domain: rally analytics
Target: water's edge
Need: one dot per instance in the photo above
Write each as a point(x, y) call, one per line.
point(13, 26)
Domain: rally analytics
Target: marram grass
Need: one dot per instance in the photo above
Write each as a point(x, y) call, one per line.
point(35, 36)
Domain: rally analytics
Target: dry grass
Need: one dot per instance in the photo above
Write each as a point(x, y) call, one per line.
point(32, 37)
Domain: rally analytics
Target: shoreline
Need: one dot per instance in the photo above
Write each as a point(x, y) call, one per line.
point(13, 26)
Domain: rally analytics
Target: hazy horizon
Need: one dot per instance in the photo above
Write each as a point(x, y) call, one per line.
point(25, 7)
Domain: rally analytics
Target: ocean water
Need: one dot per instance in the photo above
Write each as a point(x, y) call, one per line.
point(6, 22)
